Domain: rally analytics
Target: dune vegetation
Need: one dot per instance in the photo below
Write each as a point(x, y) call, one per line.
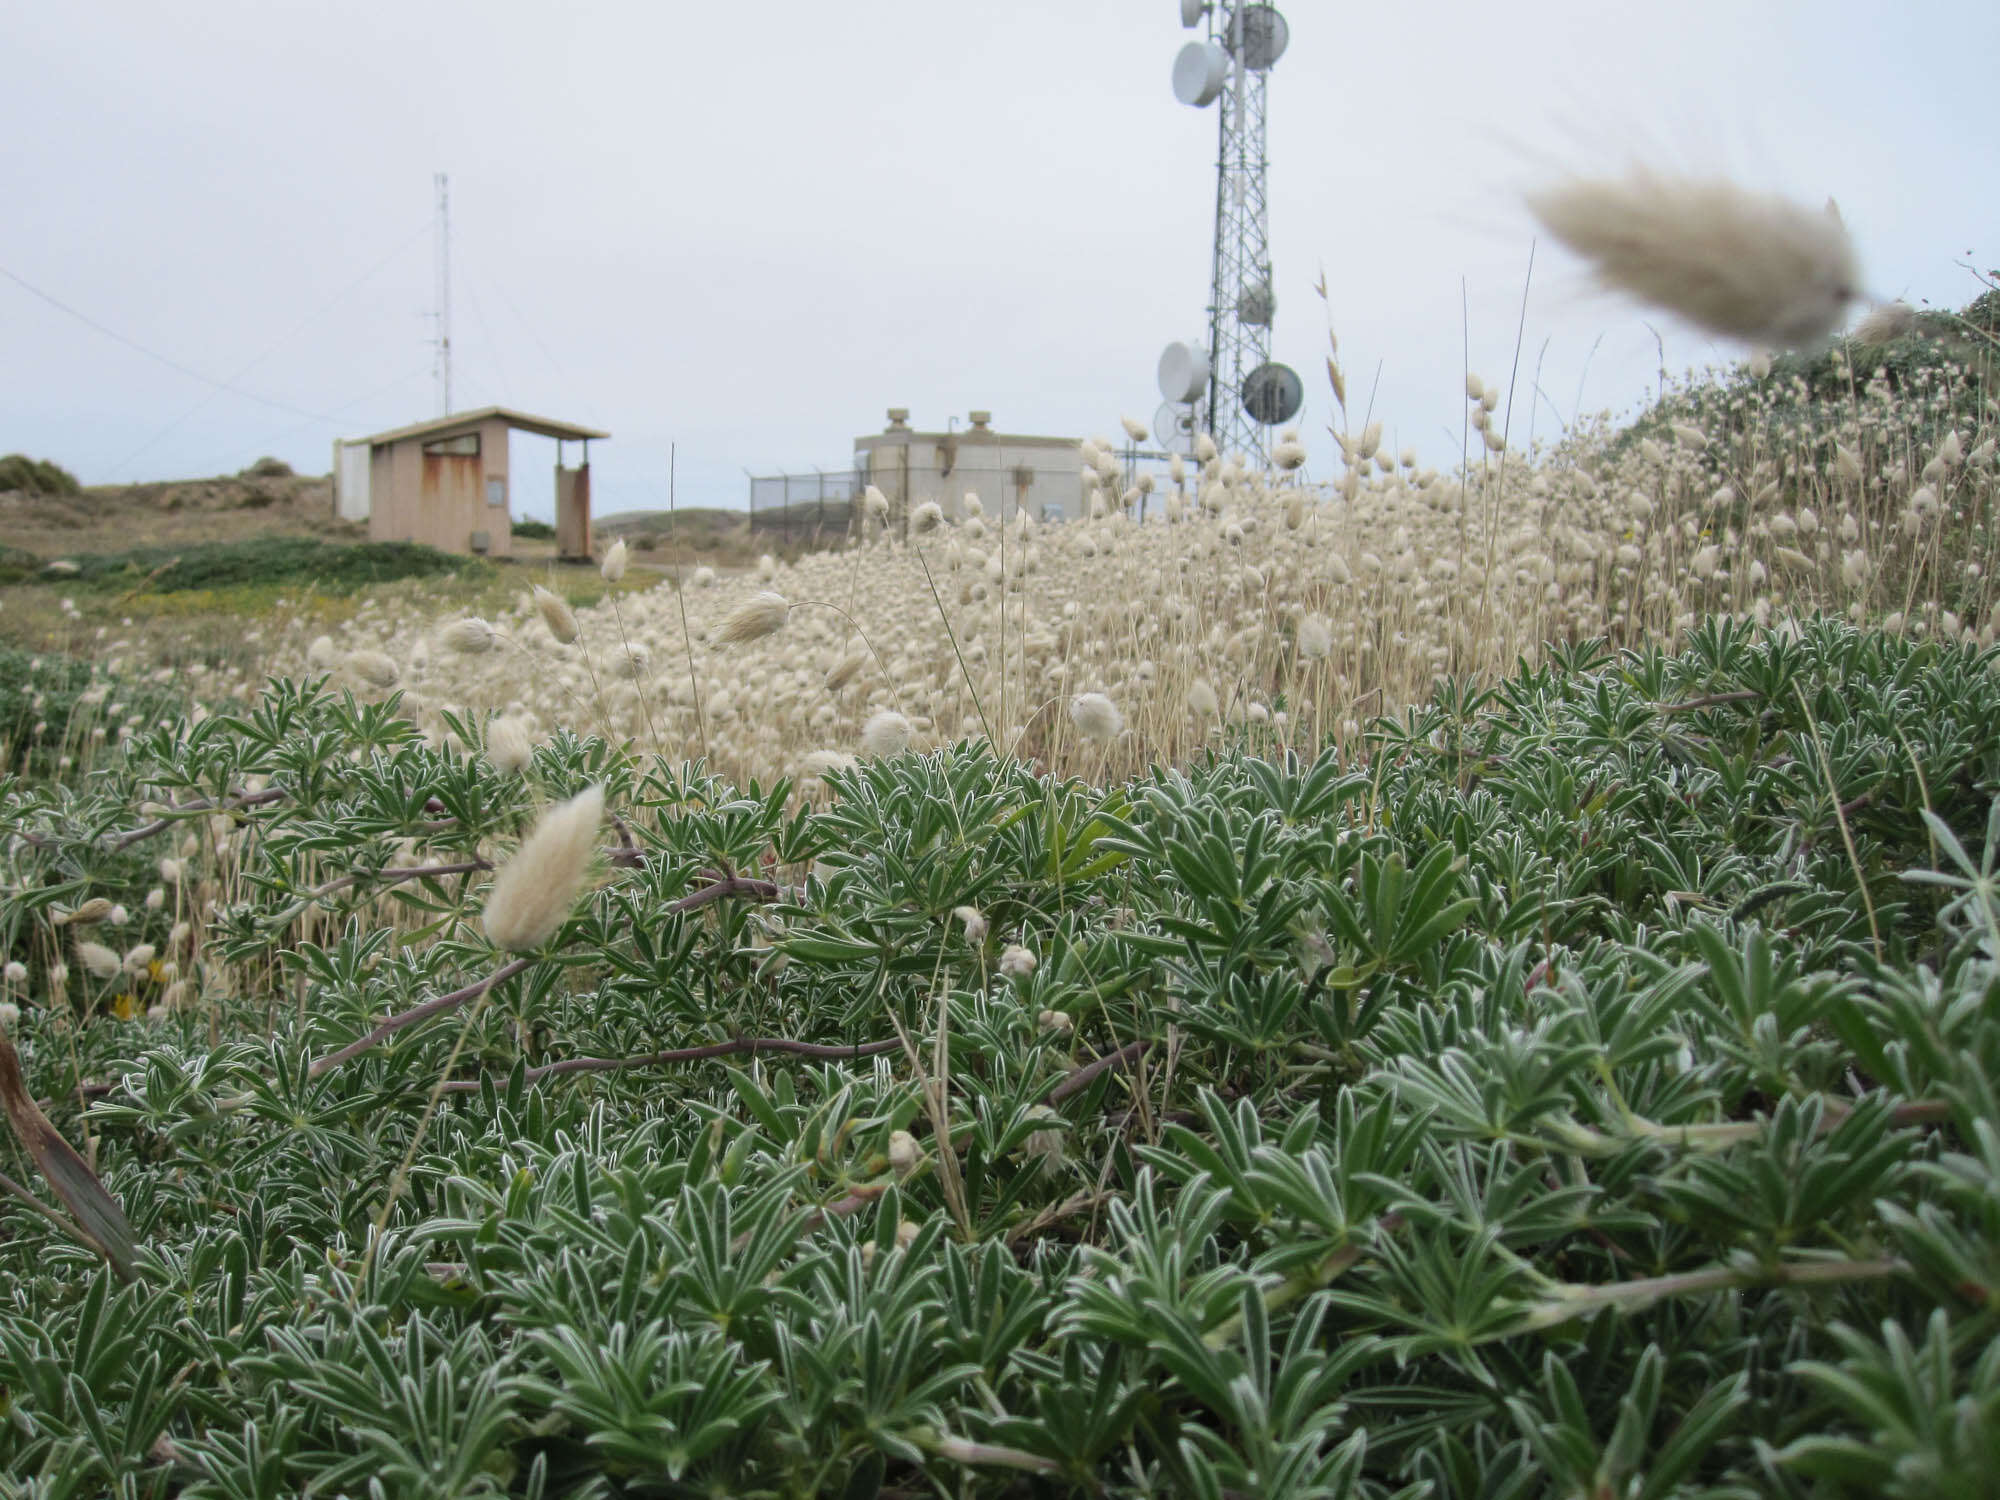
point(1409, 981)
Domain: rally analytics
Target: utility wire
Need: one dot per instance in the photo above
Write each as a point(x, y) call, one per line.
point(501, 287)
point(304, 323)
point(154, 354)
point(275, 440)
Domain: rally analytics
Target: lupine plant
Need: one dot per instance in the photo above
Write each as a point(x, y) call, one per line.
point(1579, 1086)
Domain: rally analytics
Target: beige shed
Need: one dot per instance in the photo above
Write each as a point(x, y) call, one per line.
point(445, 482)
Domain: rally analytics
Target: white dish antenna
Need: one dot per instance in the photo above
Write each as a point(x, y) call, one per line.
point(1173, 427)
point(1184, 372)
point(1192, 11)
point(1265, 36)
point(1255, 304)
point(1199, 73)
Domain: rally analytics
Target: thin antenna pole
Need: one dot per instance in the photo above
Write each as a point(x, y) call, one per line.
point(442, 364)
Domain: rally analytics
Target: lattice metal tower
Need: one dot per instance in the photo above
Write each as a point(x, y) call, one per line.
point(1241, 395)
point(1239, 286)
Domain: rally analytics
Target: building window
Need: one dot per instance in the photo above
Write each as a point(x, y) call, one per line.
point(496, 491)
point(465, 445)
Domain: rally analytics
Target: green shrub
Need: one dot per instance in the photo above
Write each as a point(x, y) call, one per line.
point(327, 566)
point(533, 530)
point(37, 476)
point(1590, 1092)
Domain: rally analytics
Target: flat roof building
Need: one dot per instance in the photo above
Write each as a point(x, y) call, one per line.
point(1008, 471)
point(446, 483)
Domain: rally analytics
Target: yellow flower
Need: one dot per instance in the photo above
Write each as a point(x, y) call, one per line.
point(125, 1007)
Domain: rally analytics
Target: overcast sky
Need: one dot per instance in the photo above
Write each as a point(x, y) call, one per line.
point(749, 228)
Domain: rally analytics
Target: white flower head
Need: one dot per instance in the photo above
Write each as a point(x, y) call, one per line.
point(556, 614)
point(886, 733)
point(535, 890)
point(762, 614)
point(1096, 717)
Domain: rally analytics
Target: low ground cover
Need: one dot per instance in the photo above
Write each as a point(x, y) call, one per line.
point(1579, 1086)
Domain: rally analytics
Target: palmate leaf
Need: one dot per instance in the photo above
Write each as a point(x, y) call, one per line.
point(652, 1401)
point(1928, 1414)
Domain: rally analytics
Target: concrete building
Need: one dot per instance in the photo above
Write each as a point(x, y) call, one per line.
point(445, 482)
point(1005, 470)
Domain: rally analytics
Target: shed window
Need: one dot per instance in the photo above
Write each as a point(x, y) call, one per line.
point(496, 491)
point(465, 445)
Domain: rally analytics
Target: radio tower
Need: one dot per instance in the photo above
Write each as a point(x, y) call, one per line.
point(441, 362)
point(1241, 395)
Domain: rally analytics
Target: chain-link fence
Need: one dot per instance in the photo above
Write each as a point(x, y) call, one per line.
point(804, 509)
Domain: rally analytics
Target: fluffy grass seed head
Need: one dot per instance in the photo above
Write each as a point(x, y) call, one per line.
point(762, 614)
point(1096, 716)
point(508, 746)
point(926, 518)
point(844, 669)
point(556, 614)
point(375, 668)
point(886, 733)
point(1746, 265)
point(819, 762)
point(632, 662)
point(535, 889)
point(613, 567)
point(471, 636)
point(1885, 323)
point(1201, 699)
point(1134, 428)
point(96, 909)
point(102, 962)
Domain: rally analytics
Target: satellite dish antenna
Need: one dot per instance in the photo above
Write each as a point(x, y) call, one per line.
point(1200, 71)
point(1265, 36)
point(1183, 372)
point(1273, 394)
point(1255, 304)
point(1173, 426)
point(1192, 11)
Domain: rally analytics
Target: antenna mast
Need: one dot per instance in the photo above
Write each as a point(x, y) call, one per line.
point(441, 365)
point(1232, 386)
point(1239, 296)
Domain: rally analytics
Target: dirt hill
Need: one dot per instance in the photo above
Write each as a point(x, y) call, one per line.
point(164, 513)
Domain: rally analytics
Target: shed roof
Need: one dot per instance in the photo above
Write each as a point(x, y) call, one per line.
point(465, 420)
